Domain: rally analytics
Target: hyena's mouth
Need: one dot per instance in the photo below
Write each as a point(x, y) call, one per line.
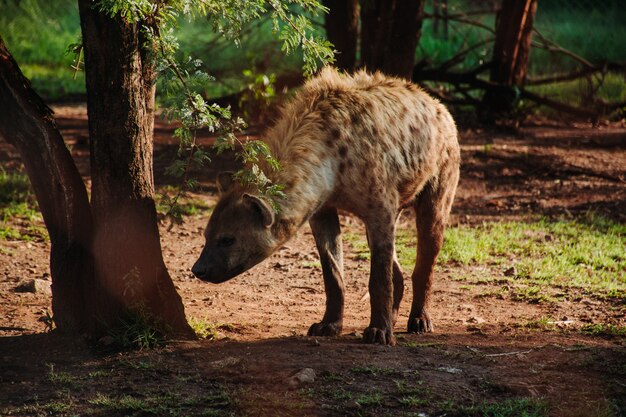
point(218, 278)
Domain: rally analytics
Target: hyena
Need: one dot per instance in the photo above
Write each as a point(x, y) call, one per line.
point(367, 144)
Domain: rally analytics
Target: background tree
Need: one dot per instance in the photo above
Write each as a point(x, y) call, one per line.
point(120, 76)
point(511, 50)
point(342, 30)
point(390, 32)
point(27, 123)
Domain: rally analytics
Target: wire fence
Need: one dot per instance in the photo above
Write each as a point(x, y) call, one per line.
point(591, 31)
point(578, 52)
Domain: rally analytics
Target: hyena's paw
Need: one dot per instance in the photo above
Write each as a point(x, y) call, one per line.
point(420, 323)
point(379, 336)
point(326, 329)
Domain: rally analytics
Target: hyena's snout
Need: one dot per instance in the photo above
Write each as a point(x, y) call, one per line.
point(212, 266)
point(208, 268)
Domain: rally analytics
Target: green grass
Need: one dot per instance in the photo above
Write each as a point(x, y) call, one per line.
point(587, 253)
point(516, 407)
point(603, 329)
point(163, 404)
point(207, 330)
point(19, 215)
point(612, 89)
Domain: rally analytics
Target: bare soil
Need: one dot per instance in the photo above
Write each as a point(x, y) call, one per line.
point(484, 347)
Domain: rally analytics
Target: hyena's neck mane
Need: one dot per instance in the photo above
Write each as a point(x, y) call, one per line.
point(300, 139)
point(307, 168)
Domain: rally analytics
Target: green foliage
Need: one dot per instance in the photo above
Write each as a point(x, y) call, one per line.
point(258, 93)
point(184, 81)
point(37, 34)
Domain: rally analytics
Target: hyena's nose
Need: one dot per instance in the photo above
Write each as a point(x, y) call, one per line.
point(199, 270)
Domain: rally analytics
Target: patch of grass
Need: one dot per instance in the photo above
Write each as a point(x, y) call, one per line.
point(515, 407)
point(542, 323)
point(138, 330)
point(604, 329)
point(585, 253)
point(215, 402)
point(60, 378)
point(413, 401)
point(312, 265)
point(19, 215)
point(369, 399)
point(203, 328)
point(531, 294)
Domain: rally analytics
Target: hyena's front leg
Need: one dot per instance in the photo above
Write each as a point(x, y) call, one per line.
point(381, 241)
point(327, 233)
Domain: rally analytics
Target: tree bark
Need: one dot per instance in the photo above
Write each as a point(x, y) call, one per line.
point(342, 30)
point(27, 123)
point(120, 103)
point(511, 50)
point(390, 31)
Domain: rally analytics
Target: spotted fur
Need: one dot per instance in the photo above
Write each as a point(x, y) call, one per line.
point(370, 145)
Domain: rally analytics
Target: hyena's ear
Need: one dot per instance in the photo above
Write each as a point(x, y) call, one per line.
point(224, 181)
point(261, 207)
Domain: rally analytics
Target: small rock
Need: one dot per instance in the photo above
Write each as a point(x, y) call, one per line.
point(477, 320)
point(34, 286)
point(510, 272)
point(450, 370)
point(45, 276)
point(303, 376)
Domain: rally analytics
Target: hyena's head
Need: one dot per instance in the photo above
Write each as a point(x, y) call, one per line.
point(238, 236)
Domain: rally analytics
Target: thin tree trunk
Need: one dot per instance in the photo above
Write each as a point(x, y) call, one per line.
point(389, 35)
point(342, 29)
point(27, 123)
point(120, 101)
point(511, 51)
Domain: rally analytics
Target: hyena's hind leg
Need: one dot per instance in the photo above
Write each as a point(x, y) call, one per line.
point(432, 208)
point(327, 233)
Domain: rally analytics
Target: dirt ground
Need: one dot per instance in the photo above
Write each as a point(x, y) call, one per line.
point(484, 347)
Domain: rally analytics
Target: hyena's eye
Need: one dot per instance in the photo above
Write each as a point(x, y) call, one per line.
point(225, 241)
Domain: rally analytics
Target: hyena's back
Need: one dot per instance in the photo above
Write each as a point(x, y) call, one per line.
point(386, 138)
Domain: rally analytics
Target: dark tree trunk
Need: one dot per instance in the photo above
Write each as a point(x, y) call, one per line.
point(342, 29)
point(120, 102)
point(511, 50)
point(27, 123)
point(390, 31)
